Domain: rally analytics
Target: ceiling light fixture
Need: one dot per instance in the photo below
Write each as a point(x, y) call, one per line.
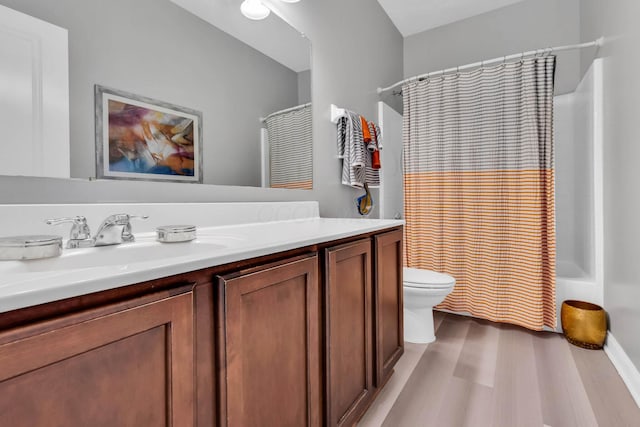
point(254, 9)
point(290, 1)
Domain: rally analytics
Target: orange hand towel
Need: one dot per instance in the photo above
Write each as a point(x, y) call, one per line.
point(365, 130)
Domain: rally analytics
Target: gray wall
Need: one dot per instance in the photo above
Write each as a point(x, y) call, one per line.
point(524, 26)
point(156, 49)
point(590, 29)
point(347, 77)
point(617, 21)
point(304, 87)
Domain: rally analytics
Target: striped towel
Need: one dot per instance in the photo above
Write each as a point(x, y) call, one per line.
point(377, 135)
point(373, 175)
point(356, 160)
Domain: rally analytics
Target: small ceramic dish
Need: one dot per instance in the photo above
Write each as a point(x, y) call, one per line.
point(176, 233)
point(16, 248)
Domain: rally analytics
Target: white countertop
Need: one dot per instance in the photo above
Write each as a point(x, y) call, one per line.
point(84, 271)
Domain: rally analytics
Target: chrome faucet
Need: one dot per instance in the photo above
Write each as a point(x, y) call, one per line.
point(115, 229)
point(80, 236)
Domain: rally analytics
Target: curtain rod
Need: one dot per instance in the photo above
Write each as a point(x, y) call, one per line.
point(548, 51)
point(287, 110)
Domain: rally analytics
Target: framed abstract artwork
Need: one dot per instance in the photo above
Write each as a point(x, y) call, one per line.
point(145, 139)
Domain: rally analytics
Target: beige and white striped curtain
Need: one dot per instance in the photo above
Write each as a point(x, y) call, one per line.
point(291, 149)
point(479, 188)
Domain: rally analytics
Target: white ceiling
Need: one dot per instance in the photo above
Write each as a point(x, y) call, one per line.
point(281, 42)
point(415, 16)
point(271, 36)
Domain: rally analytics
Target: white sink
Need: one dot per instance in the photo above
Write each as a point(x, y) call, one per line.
point(142, 251)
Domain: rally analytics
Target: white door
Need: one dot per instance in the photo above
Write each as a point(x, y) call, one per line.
point(34, 96)
point(391, 188)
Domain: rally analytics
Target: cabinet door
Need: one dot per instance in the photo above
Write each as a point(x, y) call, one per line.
point(348, 316)
point(272, 346)
point(128, 368)
point(388, 313)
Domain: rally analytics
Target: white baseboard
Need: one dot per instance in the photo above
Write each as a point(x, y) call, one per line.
point(624, 366)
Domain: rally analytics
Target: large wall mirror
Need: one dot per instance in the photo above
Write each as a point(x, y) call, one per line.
point(251, 80)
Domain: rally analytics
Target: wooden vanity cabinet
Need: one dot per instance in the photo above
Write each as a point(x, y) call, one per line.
point(126, 364)
point(388, 305)
point(348, 331)
point(302, 338)
point(269, 345)
point(291, 341)
point(364, 334)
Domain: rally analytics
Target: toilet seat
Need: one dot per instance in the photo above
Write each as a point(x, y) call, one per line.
point(426, 279)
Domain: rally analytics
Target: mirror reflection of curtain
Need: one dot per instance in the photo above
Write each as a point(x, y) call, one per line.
point(291, 148)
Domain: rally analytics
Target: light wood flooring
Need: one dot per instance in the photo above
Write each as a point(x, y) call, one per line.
point(479, 374)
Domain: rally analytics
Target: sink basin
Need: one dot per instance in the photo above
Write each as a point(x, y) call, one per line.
point(115, 256)
point(206, 234)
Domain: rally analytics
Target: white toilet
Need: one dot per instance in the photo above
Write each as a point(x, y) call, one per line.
point(423, 289)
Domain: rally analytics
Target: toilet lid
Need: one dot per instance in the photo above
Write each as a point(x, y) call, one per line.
point(417, 278)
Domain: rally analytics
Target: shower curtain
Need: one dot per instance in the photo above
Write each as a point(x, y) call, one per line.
point(291, 148)
point(479, 188)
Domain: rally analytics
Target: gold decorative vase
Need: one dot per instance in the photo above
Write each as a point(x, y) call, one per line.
point(584, 324)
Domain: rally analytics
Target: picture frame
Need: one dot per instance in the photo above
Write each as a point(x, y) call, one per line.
point(140, 138)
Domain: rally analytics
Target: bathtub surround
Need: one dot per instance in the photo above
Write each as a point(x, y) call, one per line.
point(479, 154)
point(579, 191)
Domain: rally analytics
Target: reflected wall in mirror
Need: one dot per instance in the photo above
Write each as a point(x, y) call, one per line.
point(199, 53)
